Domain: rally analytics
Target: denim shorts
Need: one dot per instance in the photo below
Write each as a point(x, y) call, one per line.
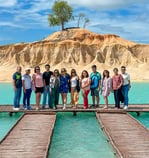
point(95, 92)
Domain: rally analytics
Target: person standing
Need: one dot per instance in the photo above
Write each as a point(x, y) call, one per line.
point(117, 82)
point(54, 89)
point(95, 78)
point(17, 84)
point(27, 89)
point(85, 87)
point(46, 80)
point(64, 86)
point(106, 87)
point(38, 85)
point(75, 88)
point(126, 86)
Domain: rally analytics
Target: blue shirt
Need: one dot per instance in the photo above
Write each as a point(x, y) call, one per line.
point(95, 78)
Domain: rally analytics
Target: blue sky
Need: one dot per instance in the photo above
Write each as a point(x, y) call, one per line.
point(27, 20)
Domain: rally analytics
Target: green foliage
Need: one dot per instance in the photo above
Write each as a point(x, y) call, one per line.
point(62, 13)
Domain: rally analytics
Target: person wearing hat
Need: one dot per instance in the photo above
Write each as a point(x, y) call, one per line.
point(27, 89)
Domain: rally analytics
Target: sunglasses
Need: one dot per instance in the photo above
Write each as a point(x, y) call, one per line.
point(37, 69)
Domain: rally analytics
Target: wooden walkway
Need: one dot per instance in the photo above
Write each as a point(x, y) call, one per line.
point(30, 137)
point(128, 137)
point(132, 108)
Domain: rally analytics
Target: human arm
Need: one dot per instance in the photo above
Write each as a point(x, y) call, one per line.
point(34, 82)
point(99, 84)
point(23, 84)
point(14, 83)
point(121, 82)
point(109, 85)
point(129, 84)
point(44, 82)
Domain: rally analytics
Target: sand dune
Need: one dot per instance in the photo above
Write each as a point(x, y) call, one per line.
point(77, 48)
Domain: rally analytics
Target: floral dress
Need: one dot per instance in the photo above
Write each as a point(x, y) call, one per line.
point(64, 84)
point(106, 86)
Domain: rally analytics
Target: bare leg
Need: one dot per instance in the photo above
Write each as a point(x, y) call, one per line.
point(65, 98)
point(106, 101)
point(93, 98)
point(97, 100)
point(62, 98)
point(39, 100)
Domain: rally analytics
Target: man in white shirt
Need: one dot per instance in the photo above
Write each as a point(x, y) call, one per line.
point(27, 89)
point(126, 86)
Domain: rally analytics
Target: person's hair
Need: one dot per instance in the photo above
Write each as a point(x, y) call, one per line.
point(94, 66)
point(115, 69)
point(73, 70)
point(56, 70)
point(82, 74)
point(123, 67)
point(36, 67)
point(107, 72)
point(47, 65)
point(63, 70)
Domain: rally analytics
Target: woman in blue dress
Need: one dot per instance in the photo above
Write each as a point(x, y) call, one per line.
point(64, 86)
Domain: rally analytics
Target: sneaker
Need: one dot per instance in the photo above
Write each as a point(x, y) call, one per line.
point(15, 109)
point(92, 106)
point(97, 106)
point(125, 107)
point(29, 108)
point(43, 107)
point(64, 107)
point(25, 109)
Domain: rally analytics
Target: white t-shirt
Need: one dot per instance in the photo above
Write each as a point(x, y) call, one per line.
point(27, 81)
point(74, 82)
point(126, 79)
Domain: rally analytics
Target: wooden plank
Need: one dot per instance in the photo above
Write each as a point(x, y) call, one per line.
point(132, 108)
point(128, 137)
point(30, 137)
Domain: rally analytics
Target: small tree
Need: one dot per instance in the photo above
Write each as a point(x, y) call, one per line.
point(86, 22)
point(81, 15)
point(62, 13)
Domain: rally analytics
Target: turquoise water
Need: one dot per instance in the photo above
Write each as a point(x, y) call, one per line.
point(6, 122)
point(139, 93)
point(143, 118)
point(79, 137)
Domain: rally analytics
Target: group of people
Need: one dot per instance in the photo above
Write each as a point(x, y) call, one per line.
point(52, 84)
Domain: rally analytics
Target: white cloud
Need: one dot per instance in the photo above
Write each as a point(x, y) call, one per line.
point(32, 14)
point(104, 4)
point(7, 3)
point(10, 24)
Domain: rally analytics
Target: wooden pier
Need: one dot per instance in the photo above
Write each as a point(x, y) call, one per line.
point(129, 138)
point(30, 137)
point(132, 108)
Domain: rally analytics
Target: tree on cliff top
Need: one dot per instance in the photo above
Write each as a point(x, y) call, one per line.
point(62, 13)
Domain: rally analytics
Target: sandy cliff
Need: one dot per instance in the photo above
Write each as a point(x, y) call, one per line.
point(77, 48)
